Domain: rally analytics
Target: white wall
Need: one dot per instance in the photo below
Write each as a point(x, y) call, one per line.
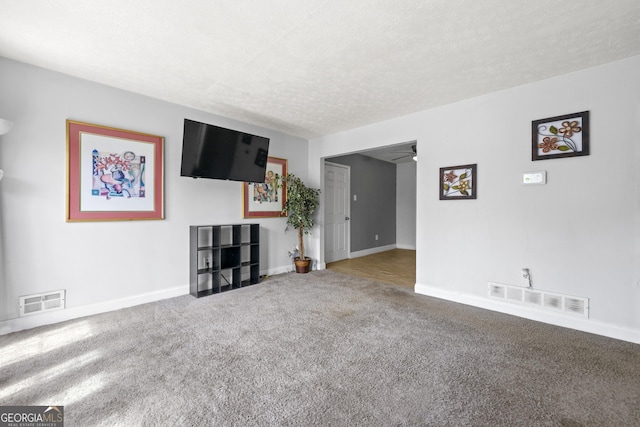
point(406, 205)
point(105, 265)
point(579, 234)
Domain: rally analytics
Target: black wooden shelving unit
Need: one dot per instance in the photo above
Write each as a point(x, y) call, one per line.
point(223, 257)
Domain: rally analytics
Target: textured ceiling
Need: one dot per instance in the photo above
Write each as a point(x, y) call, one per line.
point(316, 67)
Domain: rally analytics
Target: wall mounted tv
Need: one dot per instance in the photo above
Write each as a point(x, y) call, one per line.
point(217, 153)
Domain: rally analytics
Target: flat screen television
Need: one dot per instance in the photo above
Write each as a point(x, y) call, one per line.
point(214, 152)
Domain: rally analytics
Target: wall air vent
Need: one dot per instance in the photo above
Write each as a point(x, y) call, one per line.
point(575, 305)
point(541, 299)
point(552, 301)
point(514, 294)
point(39, 303)
point(496, 291)
point(533, 297)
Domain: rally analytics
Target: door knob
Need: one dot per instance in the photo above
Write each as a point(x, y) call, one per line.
point(347, 218)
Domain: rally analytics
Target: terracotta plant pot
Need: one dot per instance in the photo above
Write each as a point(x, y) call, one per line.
point(302, 265)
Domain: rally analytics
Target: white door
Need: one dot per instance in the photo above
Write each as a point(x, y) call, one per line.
point(336, 211)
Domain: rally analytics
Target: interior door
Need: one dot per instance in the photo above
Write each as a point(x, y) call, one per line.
point(336, 214)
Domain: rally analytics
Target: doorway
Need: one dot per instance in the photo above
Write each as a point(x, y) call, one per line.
point(382, 198)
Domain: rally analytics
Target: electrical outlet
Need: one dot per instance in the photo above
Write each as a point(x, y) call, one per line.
point(376, 237)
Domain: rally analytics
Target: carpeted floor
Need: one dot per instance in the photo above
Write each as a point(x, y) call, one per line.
point(320, 349)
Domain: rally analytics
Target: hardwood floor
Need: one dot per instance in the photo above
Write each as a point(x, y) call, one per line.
point(397, 267)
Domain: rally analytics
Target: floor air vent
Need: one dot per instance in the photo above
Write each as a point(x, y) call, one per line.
point(38, 303)
point(534, 298)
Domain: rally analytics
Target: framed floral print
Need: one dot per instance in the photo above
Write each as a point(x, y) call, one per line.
point(113, 174)
point(458, 182)
point(561, 136)
point(266, 199)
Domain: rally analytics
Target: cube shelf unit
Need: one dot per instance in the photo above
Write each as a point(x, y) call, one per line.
point(223, 257)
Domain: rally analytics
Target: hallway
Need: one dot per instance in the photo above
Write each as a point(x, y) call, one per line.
point(396, 267)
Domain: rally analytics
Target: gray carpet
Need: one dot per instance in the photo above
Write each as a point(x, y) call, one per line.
point(320, 349)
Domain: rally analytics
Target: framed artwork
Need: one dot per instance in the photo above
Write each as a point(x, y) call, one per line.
point(266, 199)
point(113, 174)
point(458, 182)
point(561, 136)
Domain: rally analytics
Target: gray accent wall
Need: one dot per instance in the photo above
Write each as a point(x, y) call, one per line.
point(373, 182)
point(406, 205)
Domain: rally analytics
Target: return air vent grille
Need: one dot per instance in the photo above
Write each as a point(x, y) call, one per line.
point(545, 300)
point(514, 294)
point(552, 301)
point(576, 305)
point(38, 303)
point(532, 297)
point(496, 291)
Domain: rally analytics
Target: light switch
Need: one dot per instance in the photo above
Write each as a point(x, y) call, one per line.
point(534, 178)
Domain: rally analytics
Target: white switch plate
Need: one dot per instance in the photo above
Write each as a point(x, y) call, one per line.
point(534, 178)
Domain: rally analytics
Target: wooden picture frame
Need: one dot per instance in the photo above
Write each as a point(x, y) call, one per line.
point(560, 136)
point(266, 199)
point(113, 174)
point(459, 182)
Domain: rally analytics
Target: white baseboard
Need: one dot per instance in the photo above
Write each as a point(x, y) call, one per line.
point(566, 321)
point(408, 247)
point(371, 251)
point(278, 270)
point(291, 268)
point(27, 322)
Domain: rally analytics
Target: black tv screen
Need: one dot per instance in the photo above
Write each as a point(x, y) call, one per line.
point(214, 152)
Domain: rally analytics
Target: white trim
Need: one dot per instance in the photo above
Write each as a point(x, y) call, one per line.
point(291, 268)
point(47, 318)
point(566, 321)
point(371, 251)
point(279, 270)
point(408, 247)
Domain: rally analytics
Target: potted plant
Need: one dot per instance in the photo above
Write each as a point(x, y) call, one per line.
point(299, 207)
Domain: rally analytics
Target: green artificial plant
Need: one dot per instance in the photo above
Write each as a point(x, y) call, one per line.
point(299, 207)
